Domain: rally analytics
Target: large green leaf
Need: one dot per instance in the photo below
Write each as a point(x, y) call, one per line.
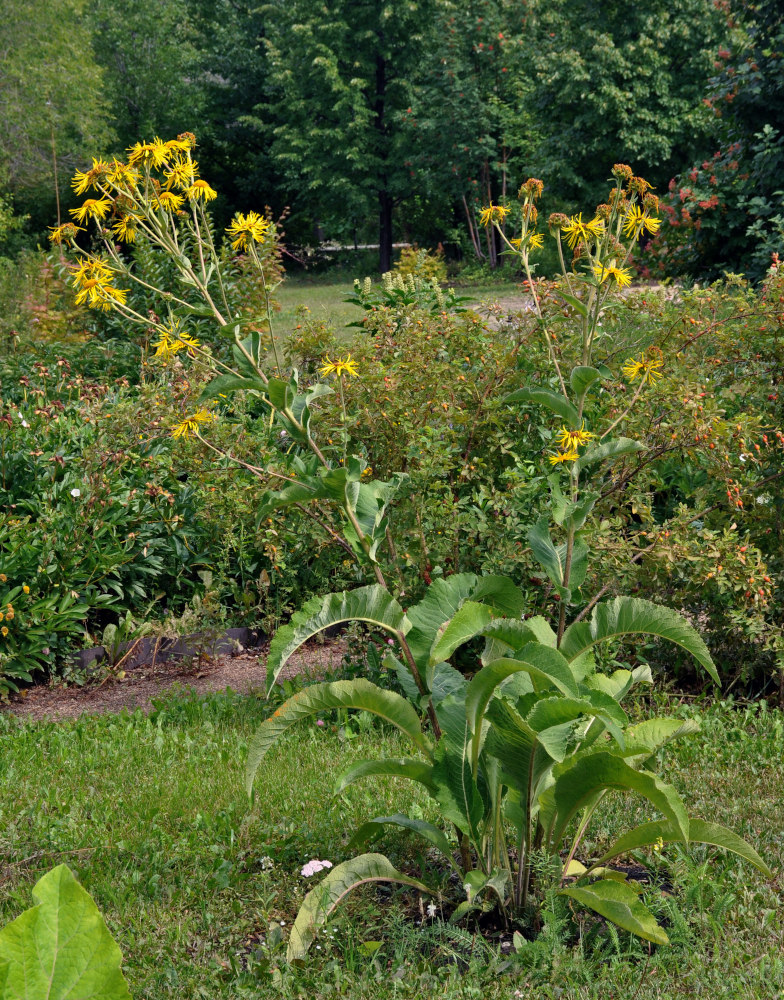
point(700, 832)
point(577, 782)
point(373, 605)
point(392, 767)
point(618, 902)
point(322, 900)
point(374, 828)
point(60, 949)
point(609, 449)
point(466, 623)
point(456, 788)
point(634, 616)
point(554, 401)
point(224, 384)
point(359, 693)
point(582, 378)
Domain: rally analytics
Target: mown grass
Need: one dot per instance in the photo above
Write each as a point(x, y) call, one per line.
point(325, 298)
point(151, 815)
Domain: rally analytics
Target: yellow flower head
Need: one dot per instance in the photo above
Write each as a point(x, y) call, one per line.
point(168, 200)
point(125, 228)
point(622, 276)
point(578, 231)
point(10, 615)
point(658, 846)
point(93, 208)
point(247, 227)
point(25, 588)
point(84, 179)
point(493, 213)
point(4, 631)
point(189, 427)
point(3, 578)
point(201, 189)
point(636, 220)
point(151, 154)
point(570, 440)
point(646, 369)
point(67, 231)
point(339, 367)
point(173, 340)
point(563, 456)
point(122, 176)
point(93, 279)
point(533, 241)
point(178, 145)
point(181, 175)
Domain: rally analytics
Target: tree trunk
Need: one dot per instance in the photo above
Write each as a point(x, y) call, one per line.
point(384, 232)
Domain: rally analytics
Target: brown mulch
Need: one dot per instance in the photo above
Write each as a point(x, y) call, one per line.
point(244, 673)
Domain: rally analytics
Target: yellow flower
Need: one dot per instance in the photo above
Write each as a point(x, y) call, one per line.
point(84, 179)
point(3, 578)
point(93, 208)
point(621, 275)
point(152, 154)
point(93, 279)
point(121, 175)
point(244, 227)
point(646, 369)
point(2, 616)
point(4, 631)
point(533, 240)
point(173, 340)
point(179, 145)
point(181, 174)
point(576, 230)
point(658, 845)
point(570, 440)
point(67, 231)
point(125, 228)
point(339, 367)
point(10, 615)
point(201, 189)
point(563, 456)
point(189, 427)
point(494, 213)
point(169, 200)
point(636, 220)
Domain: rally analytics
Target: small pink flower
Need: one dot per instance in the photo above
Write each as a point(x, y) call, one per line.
point(319, 722)
point(314, 866)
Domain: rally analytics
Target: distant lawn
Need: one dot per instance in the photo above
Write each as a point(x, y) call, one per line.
point(326, 300)
point(151, 815)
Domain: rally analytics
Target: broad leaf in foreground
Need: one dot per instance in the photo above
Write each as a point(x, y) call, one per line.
point(360, 694)
point(321, 901)
point(618, 902)
point(60, 949)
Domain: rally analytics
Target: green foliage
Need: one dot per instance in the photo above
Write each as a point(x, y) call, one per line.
point(61, 948)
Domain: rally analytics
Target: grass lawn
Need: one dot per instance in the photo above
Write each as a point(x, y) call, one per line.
point(151, 815)
point(325, 297)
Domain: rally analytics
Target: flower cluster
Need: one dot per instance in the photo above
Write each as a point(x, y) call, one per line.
point(569, 440)
point(172, 340)
point(314, 866)
point(93, 279)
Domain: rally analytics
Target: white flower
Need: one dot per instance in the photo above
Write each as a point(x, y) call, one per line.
point(76, 493)
point(314, 866)
point(431, 910)
point(266, 863)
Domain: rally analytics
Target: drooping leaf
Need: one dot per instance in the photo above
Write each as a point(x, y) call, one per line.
point(578, 781)
point(322, 900)
point(359, 693)
point(466, 623)
point(373, 605)
point(618, 902)
point(582, 378)
point(392, 767)
point(700, 832)
point(609, 449)
point(456, 788)
point(225, 384)
point(554, 401)
point(60, 949)
point(634, 616)
point(374, 828)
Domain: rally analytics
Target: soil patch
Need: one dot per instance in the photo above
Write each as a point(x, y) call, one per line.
point(245, 673)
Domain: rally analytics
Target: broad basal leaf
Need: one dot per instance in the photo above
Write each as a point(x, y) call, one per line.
point(60, 949)
point(618, 902)
point(374, 829)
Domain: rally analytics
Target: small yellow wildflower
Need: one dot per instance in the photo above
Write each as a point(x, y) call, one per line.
point(533, 240)
point(168, 200)
point(570, 440)
point(93, 208)
point(563, 456)
point(125, 228)
point(173, 340)
point(93, 279)
point(67, 231)
point(2, 616)
point(201, 189)
point(3, 578)
point(179, 145)
point(153, 154)
point(646, 369)
point(121, 175)
point(247, 227)
point(636, 220)
point(84, 179)
point(493, 213)
point(621, 275)
point(189, 427)
point(576, 230)
point(10, 615)
point(339, 367)
point(657, 847)
point(4, 631)
point(181, 175)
